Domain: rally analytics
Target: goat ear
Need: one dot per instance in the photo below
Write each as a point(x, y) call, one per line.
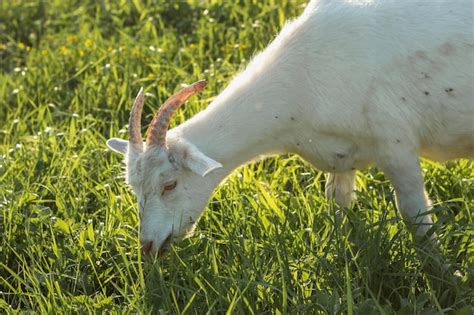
point(118, 145)
point(198, 162)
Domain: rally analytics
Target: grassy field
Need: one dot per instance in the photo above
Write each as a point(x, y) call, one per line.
point(267, 242)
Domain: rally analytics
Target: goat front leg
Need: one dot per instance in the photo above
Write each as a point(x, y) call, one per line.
point(404, 172)
point(340, 186)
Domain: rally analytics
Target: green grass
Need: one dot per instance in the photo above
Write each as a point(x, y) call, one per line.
point(267, 243)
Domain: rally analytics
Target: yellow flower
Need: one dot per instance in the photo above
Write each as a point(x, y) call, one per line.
point(135, 52)
point(22, 46)
point(71, 38)
point(81, 52)
point(88, 42)
point(44, 52)
point(3, 47)
point(63, 50)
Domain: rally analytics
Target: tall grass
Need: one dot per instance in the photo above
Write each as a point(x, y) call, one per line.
point(268, 242)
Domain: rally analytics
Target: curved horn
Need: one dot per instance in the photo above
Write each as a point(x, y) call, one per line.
point(156, 134)
point(134, 125)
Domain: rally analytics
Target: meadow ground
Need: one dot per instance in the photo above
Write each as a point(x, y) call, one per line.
point(267, 243)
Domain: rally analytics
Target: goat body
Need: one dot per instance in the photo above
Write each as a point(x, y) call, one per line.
point(346, 85)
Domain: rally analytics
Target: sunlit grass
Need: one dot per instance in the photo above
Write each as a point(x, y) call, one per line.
point(268, 242)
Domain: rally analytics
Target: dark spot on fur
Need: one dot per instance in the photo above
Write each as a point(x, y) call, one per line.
point(425, 75)
point(340, 155)
point(398, 141)
point(292, 118)
point(449, 90)
point(447, 49)
point(185, 154)
point(353, 168)
point(276, 117)
point(427, 93)
point(421, 54)
point(404, 99)
point(297, 143)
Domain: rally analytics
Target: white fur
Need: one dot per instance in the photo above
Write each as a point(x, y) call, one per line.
point(346, 85)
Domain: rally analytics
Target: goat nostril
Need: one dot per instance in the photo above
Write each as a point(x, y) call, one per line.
point(146, 247)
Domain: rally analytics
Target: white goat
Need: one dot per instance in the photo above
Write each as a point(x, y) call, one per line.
point(346, 85)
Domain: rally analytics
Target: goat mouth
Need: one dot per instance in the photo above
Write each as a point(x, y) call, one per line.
point(165, 246)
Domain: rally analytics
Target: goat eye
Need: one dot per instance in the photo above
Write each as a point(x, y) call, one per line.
point(169, 187)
